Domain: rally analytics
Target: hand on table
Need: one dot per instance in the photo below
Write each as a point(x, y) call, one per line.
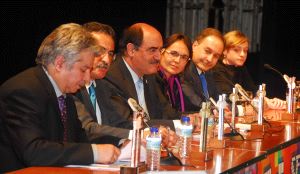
point(107, 153)
point(169, 137)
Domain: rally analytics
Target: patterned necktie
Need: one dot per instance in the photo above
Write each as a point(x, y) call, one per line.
point(204, 85)
point(63, 114)
point(92, 95)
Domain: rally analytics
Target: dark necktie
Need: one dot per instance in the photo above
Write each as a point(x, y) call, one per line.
point(63, 114)
point(92, 95)
point(204, 85)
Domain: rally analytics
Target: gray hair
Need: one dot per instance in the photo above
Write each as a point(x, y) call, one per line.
point(67, 40)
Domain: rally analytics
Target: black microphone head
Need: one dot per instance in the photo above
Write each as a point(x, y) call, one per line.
point(267, 66)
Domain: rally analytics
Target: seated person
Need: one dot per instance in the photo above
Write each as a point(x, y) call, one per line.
point(175, 54)
point(39, 114)
point(231, 69)
point(97, 115)
point(198, 84)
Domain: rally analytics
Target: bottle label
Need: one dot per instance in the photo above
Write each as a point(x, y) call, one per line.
point(210, 121)
point(153, 143)
point(186, 131)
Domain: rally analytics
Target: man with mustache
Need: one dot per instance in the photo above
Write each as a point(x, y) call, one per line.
point(39, 116)
point(132, 75)
point(94, 111)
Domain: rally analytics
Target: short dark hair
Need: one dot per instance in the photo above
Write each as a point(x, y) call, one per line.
point(134, 34)
point(179, 37)
point(101, 28)
point(209, 32)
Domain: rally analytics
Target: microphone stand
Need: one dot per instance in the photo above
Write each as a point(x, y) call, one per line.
point(234, 134)
point(135, 165)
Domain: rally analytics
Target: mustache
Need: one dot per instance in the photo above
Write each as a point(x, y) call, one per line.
point(102, 65)
point(154, 62)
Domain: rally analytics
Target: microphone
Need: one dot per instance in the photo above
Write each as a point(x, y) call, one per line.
point(134, 106)
point(138, 108)
point(242, 92)
point(267, 66)
point(234, 134)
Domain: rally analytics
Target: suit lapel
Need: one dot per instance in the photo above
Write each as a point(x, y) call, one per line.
point(126, 80)
point(87, 102)
point(53, 102)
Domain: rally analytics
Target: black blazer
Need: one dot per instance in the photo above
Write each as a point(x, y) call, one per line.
point(123, 87)
point(192, 87)
point(33, 124)
point(226, 76)
point(112, 123)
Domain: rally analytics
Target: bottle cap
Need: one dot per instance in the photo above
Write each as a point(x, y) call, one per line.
point(153, 129)
point(185, 119)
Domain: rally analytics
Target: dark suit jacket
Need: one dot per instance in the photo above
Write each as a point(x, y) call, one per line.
point(226, 76)
point(123, 86)
point(33, 124)
point(112, 123)
point(192, 87)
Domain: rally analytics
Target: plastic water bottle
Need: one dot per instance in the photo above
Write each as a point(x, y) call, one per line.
point(185, 137)
point(153, 149)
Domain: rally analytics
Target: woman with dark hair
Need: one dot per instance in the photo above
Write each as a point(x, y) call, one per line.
point(176, 52)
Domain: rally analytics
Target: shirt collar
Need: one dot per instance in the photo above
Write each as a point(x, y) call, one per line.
point(134, 76)
point(199, 71)
point(54, 84)
point(90, 84)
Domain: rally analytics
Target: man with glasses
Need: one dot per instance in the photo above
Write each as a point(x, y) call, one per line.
point(132, 76)
point(94, 111)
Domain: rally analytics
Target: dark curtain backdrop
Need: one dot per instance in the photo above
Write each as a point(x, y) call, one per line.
point(25, 24)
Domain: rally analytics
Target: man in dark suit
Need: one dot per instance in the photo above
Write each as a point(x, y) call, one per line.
point(198, 83)
point(40, 117)
point(131, 75)
point(96, 114)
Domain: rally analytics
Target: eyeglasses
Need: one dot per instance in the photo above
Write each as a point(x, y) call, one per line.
point(175, 54)
point(103, 52)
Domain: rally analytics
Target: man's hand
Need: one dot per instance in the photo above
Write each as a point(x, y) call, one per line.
point(107, 153)
point(169, 137)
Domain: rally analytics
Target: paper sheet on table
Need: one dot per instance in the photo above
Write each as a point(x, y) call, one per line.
point(126, 153)
point(107, 167)
point(123, 160)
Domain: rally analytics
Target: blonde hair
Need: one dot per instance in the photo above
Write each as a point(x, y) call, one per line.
point(234, 38)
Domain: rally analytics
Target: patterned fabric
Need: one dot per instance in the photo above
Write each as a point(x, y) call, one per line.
point(92, 95)
point(63, 114)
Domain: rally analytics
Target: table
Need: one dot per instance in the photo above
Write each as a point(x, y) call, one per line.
point(277, 149)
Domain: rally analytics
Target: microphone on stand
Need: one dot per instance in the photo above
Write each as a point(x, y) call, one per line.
point(138, 108)
point(267, 66)
point(242, 92)
point(284, 76)
point(234, 133)
point(134, 106)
